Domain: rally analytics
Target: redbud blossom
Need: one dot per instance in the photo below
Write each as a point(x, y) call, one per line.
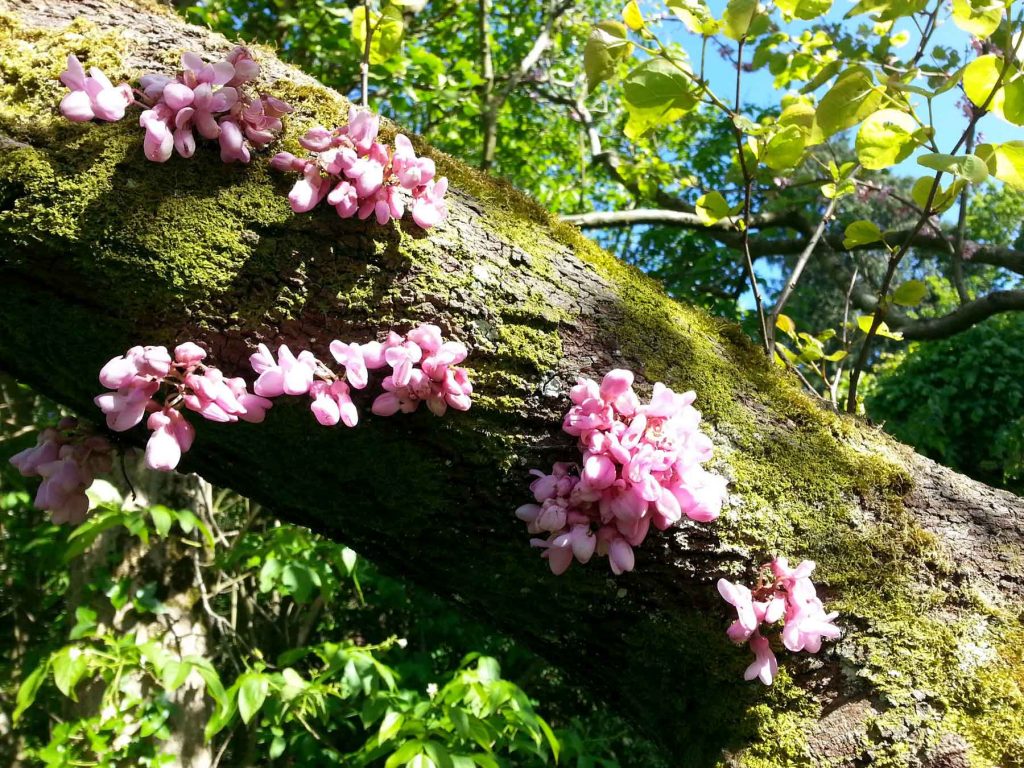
point(67, 459)
point(787, 595)
point(423, 369)
point(361, 177)
point(92, 96)
point(142, 372)
point(640, 466)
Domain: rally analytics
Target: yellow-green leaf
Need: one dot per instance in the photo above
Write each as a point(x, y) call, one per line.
point(864, 322)
point(607, 45)
point(739, 15)
point(885, 138)
point(980, 77)
point(979, 17)
point(804, 9)
point(695, 15)
point(910, 293)
point(851, 98)
point(785, 149)
point(712, 207)
point(632, 16)
point(943, 198)
point(656, 93)
point(969, 167)
point(861, 233)
point(1005, 161)
point(785, 324)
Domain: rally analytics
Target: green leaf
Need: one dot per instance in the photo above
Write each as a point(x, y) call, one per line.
point(655, 93)
point(162, 519)
point(910, 293)
point(293, 686)
point(387, 30)
point(270, 573)
point(1005, 161)
point(942, 199)
point(969, 167)
point(804, 9)
point(85, 623)
point(68, 666)
point(695, 15)
point(174, 673)
point(980, 77)
point(785, 149)
point(390, 725)
point(885, 138)
point(28, 689)
point(404, 754)
point(712, 208)
point(861, 233)
point(1013, 100)
point(607, 45)
point(277, 747)
point(739, 15)
point(852, 98)
point(864, 322)
point(252, 692)
point(978, 17)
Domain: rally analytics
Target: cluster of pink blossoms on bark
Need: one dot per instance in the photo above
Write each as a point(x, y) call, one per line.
point(424, 368)
point(641, 466)
point(147, 380)
point(360, 176)
point(206, 98)
point(787, 595)
point(68, 459)
point(209, 99)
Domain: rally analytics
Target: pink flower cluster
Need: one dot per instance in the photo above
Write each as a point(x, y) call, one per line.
point(68, 459)
point(204, 98)
point(209, 99)
point(437, 380)
point(361, 177)
point(92, 96)
point(787, 595)
point(641, 465)
point(139, 375)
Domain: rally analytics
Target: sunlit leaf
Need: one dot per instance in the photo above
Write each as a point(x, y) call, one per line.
point(885, 138)
point(910, 293)
point(607, 45)
point(861, 233)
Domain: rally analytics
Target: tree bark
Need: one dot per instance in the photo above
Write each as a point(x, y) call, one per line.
point(101, 250)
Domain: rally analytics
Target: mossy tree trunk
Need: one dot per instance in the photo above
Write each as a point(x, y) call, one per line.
point(100, 250)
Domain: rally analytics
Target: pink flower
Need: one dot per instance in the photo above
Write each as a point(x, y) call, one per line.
point(429, 208)
point(765, 666)
point(362, 128)
point(67, 459)
point(412, 171)
point(126, 407)
point(790, 597)
point(92, 96)
point(308, 191)
point(332, 403)
point(172, 436)
point(351, 356)
point(290, 375)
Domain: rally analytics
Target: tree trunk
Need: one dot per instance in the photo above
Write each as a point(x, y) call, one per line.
point(101, 250)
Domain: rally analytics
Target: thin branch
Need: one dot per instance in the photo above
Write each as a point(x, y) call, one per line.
point(801, 262)
point(364, 64)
